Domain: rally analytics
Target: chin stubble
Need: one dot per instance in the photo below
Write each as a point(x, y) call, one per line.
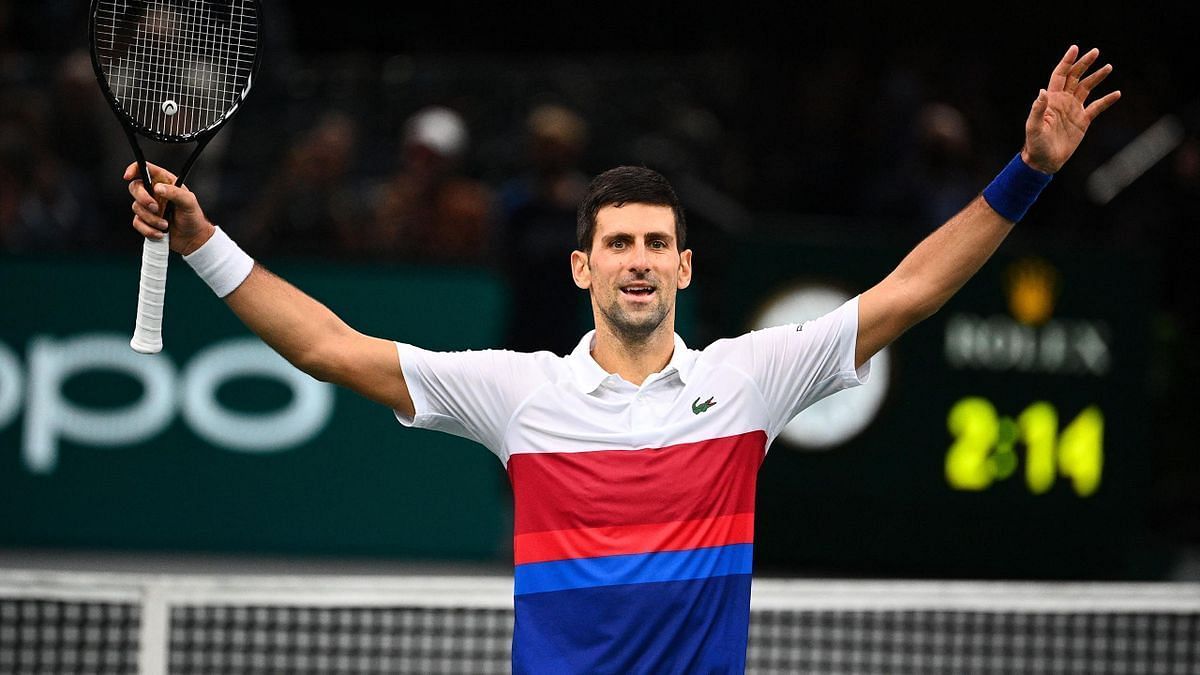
point(630, 330)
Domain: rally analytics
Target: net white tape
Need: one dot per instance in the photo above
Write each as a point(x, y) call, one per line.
point(120, 623)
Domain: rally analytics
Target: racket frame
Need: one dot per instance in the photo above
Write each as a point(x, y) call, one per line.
point(147, 333)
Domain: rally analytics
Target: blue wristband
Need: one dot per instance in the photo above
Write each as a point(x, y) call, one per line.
point(1015, 189)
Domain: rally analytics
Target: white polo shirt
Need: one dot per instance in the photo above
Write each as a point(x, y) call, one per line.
point(634, 505)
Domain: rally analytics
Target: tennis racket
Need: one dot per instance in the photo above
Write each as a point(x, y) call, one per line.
point(174, 71)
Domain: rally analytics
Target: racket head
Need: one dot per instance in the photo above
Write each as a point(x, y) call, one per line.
point(175, 70)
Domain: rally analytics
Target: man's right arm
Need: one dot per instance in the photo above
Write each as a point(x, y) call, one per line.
point(305, 332)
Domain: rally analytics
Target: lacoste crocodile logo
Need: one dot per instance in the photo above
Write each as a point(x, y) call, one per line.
point(698, 407)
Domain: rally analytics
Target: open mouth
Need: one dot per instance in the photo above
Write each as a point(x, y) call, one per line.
point(638, 291)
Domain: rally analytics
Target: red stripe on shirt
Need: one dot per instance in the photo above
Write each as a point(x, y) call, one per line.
point(606, 488)
point(619, 540)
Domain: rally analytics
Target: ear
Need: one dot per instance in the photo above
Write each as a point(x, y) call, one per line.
point(580, 270)
point(685, 269)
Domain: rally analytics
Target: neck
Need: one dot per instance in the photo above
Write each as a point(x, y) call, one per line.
point(634, 361)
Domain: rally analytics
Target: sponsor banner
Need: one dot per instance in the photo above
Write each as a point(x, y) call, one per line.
point(218, 444)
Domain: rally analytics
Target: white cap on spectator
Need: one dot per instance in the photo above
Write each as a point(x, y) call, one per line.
point(439, 129)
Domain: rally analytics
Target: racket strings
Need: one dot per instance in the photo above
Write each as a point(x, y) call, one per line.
point(177, 67)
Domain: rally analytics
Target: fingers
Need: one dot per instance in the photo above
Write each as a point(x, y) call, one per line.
point(149, 205)
point(1039, 106)
point(1079, 69)
point(157, 173)
point(1089, 83)
point(1068, 76)
point(147, 231)
point(146, 213)
point(141, 197)
point(148, 225)
point(138, 191)
point(149, 216)
point(1058, 79)
point(1101, 104)
point(183, 198)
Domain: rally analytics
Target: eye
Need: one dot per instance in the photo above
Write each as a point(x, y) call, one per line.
point(617, 243)
point(658, 243)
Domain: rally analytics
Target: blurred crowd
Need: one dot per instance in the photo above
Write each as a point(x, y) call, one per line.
point(395, 157)
point(452, 158)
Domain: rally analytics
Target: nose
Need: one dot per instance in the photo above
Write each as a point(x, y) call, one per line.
point(639, 260)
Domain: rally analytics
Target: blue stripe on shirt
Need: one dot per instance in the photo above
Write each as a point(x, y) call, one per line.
point(640, 568)
point(673, 627)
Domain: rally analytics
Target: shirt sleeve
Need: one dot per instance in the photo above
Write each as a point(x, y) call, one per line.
point(796, 365)
point(471, 394)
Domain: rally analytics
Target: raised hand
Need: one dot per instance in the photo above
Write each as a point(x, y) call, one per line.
point(1059, 117)
point(189, 228)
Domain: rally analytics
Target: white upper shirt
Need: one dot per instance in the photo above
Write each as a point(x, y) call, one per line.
point(514, 403)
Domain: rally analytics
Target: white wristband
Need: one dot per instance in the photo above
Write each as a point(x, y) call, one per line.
point(221, 263)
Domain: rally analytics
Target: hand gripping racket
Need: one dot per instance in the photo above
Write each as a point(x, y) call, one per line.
point(173, 71)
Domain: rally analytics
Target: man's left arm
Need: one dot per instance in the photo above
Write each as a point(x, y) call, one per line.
point(946, 259)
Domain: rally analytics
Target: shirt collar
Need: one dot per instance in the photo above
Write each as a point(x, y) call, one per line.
point(589, 375)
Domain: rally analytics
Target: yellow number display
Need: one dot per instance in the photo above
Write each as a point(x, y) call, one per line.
point(984, 447)
point(1039, 429)
point(973, 422)
point(1081, 451)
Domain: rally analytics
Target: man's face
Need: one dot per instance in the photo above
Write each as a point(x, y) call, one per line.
point(634, 269)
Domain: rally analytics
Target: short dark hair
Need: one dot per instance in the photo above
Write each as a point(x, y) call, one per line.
point(627, 185)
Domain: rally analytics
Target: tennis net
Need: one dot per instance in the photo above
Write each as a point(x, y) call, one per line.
point(61, 622)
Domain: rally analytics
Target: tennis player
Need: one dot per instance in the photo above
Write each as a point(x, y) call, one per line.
point(633, 459)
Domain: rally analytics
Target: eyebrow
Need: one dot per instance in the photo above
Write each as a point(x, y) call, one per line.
point(667, 237)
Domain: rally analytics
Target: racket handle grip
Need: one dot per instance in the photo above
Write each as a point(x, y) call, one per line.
point(147, 329)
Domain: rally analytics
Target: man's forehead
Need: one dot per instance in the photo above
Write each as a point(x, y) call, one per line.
point(634, 218)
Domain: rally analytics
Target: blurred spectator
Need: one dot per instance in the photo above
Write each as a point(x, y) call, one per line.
point(46, 204)
point(81, 122)
point(55, 139)
point(689, 149)
point(428, 209)
point(939, 175)
point(54, 211)
point(307, 208)
point(946, 179)
point(538, 231)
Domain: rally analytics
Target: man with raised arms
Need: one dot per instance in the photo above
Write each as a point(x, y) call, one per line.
point(633, 459)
